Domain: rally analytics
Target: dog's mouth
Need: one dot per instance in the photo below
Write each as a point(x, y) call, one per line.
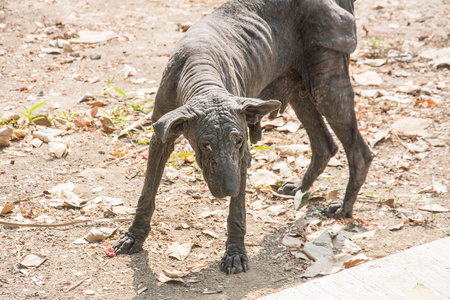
point(223, 188)
point(222, 194)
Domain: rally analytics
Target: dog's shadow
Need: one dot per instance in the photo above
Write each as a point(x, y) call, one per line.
point(270, 270)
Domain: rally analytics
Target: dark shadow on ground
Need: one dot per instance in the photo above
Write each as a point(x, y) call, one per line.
point(270, 270)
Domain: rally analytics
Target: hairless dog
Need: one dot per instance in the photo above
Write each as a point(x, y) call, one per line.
point(247, 59)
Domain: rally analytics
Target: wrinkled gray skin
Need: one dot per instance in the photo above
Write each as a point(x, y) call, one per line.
point(218, 83)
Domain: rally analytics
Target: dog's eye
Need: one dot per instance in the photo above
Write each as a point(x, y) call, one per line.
point(238, 143)
point(206, 146)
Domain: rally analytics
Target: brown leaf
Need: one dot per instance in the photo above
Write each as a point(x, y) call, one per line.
point(18, 134)
point(333, 195)
point(198, 268)
point(358, 259)
point(108, 125)
point(425, 102)
point(43, 121)
point(7, 208)
point(389, 202)
point(94, 111)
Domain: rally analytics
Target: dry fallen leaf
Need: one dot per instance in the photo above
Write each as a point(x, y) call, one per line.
point(170, 173)
point(164, 278)
point(18, 134)
point(199, 267)
point(176, 273)
point(61, 124)
point(356, 260)
point(59, 149)
point(389, 202)
point(7, 208)
point(32, 261)
point(292, 150)
point(207, 214)
point(421, 292)
point(368, 78)
point(396, 226)
point(263, 177)
point(99, 234)
point(42, 121)
point(435, 208)
point(94, 111)
point(210, 233)
point(333, 195)
point(108, 125)
point(425, 102)
point(289, 127)
point(326, 266)
point(177, 251)
point(5, 135)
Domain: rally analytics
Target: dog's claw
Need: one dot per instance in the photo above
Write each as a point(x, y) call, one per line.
point(235, 262)
point(289, 188)
point(128, 244)
point(335, 210)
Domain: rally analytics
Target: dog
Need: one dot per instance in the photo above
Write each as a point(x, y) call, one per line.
point(247, 59)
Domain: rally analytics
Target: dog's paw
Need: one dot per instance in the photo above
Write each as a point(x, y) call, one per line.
point(335, 210)
point(234, 260)
point(289, 188)
point(128, 244)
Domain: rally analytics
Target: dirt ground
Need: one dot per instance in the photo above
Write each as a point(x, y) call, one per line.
point(405, 43)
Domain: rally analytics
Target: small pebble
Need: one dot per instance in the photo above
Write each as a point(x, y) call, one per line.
point(96, 56)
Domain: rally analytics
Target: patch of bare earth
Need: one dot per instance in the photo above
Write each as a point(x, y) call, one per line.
point(402, 84)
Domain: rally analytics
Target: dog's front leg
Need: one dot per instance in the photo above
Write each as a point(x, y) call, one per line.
point(133, 239)
point(235, 259)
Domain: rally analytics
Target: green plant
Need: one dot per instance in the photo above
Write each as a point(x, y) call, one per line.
point(67, 116)
point(120, 92)
point(181, 155)
point(257, 148)
point(379, 47)
point(28, 113)
point(110, 81)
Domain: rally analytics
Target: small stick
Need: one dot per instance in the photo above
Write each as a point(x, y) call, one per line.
point(75, 285)
point(129, 154)
point(64, 224)
point(134, 125)
point(283, 196)
point(88, 255)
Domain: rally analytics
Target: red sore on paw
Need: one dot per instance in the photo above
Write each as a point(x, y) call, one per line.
point(110, 252)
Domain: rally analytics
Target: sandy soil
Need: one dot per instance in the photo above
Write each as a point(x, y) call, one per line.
point(413, 85)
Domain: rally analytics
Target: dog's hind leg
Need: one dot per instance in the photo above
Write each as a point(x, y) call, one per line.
point(321, 141)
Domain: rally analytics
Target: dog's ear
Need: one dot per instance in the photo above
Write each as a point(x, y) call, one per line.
point(171, 124)
point(255, 109)
point(332, 27)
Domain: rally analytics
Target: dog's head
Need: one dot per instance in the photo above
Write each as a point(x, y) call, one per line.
point(216, 128)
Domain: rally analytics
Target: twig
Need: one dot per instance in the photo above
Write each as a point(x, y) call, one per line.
point(283, 196)
point(64, 224)
point(75, 285)
point(134, 125)
point(129, 154)
point(402, 143)
point(88, 255)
